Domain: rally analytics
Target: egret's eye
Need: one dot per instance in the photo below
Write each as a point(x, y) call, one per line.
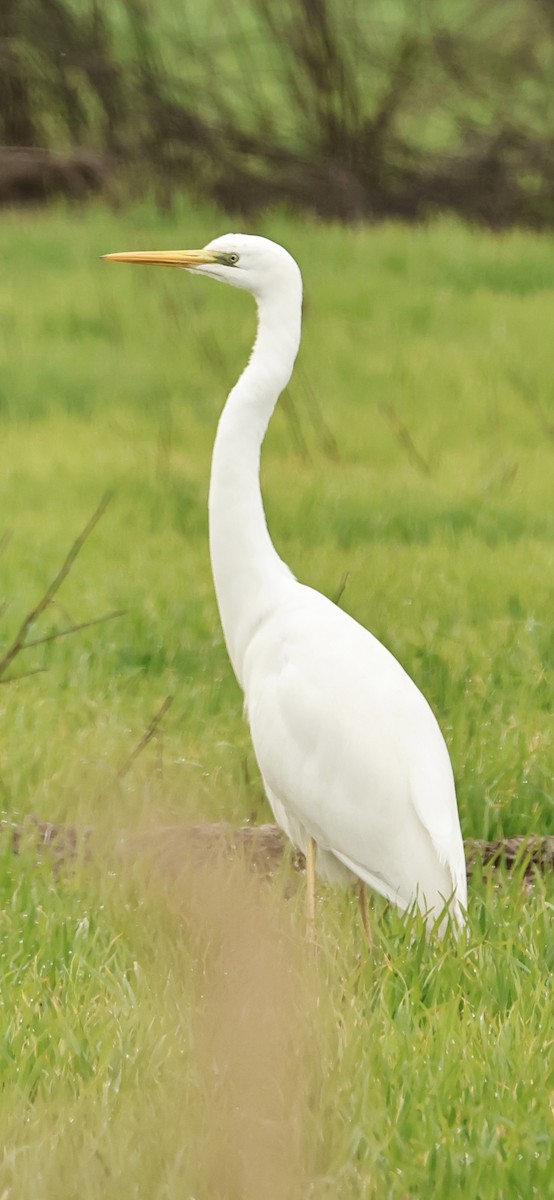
point(227, 258)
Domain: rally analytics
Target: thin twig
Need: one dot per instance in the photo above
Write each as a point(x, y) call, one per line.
point(60, 633)
point(288, 406)
point(404, 436)
point(534, 406)
point(341, 588)
point(32, 616)
point(146, 737)
point(4, 539)
point(327, 438)
point(23, 675)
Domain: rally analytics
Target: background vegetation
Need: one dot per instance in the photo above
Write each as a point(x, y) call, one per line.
point(355, 110)
point(166, 1035)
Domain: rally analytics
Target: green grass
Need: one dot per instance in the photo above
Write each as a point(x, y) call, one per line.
point(175, 1041)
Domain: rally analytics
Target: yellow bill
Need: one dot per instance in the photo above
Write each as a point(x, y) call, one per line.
point(164, 258)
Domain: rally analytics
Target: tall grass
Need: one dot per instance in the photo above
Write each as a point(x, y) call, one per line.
point(166, 1035)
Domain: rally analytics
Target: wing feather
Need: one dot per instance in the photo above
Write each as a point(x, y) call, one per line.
point(351, 752)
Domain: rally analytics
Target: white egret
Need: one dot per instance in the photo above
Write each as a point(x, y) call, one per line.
point(353, 761)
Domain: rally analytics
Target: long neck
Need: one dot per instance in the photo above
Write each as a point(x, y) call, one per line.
point(246, 567)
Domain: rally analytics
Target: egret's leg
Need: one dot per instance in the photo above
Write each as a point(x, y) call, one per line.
point(310, 889)
point(364, 910)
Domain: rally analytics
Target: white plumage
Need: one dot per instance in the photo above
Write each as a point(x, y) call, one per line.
point(349, 749)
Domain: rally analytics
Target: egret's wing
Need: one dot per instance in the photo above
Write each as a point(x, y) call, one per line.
point(352, 751)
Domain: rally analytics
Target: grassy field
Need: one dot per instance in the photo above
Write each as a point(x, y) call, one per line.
point(165, 1036)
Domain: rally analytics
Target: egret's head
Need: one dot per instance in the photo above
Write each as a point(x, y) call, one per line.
point(254, 264)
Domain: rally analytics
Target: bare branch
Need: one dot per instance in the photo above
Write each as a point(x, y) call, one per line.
point(23, 675)
point(288, 406)
point(404, 436)
point(326, 436)
point(60, 633)
point(146, 737)
point(20, 638)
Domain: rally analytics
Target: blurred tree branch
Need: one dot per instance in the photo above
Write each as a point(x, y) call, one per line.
point(346, 111)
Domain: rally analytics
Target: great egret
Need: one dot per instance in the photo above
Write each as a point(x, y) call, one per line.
point(353, 761)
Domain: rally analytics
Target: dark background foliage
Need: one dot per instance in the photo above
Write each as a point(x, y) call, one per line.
point(348, 110)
